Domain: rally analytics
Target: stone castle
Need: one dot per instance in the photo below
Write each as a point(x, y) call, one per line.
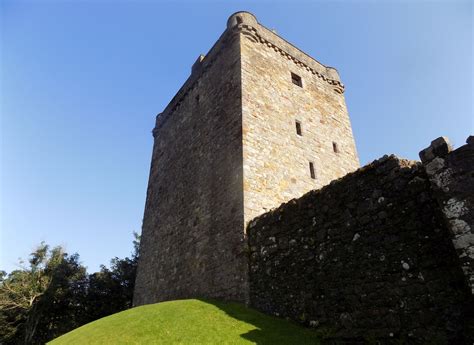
point(259, 123)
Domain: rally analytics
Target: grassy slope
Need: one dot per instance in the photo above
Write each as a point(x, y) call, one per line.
point(190, 322)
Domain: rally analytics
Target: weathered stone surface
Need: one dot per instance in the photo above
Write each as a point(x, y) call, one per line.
point(193, 238)
point(276, 159)
point(370, 257)
point(439, 147)
point(452, 181)
point(386, 252)
point(226, 150)
point(470, 140)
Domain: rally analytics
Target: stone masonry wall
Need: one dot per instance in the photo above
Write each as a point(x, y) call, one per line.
point(452, 178)
point(276, 159)
point(192, 238)
point(367, 257)
point(226, 150)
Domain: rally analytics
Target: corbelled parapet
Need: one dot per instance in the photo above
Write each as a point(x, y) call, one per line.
point(451, 174)
point(247, 23)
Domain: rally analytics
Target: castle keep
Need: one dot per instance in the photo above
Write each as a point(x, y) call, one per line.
point(257, 123)
point(255, 194)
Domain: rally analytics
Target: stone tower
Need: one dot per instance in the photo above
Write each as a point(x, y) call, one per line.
point(257, 123)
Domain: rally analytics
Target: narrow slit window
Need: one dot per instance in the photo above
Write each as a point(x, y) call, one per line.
point(335, 147)
point(298, 128)
point(239, 20)
point(311, 170)
point(197, 99)
point(296, 79)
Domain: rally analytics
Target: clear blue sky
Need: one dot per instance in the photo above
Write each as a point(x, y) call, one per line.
point(82, 81)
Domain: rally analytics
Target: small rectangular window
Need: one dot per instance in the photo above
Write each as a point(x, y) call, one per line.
point(296, 79)
point(298, 128)
point(335, 148)
point(311, 170)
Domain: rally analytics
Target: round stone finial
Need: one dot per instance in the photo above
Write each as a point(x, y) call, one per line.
point(333, 73)
point(241, 17)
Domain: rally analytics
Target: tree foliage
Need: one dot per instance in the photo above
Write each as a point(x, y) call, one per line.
point(111, 290)
point(53, 294)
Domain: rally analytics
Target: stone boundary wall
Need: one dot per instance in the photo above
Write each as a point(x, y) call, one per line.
point(368, 257)
point(452, 179)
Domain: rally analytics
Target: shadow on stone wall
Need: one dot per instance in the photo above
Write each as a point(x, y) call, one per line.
point(379, 254)
point(270, 330)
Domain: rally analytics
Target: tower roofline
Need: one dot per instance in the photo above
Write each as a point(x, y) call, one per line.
point(245, 18)
point(246, 23)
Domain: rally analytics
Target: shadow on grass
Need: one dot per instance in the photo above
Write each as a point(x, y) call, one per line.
point(270, 330)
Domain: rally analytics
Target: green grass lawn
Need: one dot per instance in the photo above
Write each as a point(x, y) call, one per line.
point(190, 322)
